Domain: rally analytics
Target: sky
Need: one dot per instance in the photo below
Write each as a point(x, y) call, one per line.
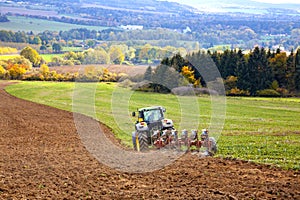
point(279, 1)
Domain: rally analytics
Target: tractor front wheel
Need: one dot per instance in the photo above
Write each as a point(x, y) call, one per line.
point(143, 140)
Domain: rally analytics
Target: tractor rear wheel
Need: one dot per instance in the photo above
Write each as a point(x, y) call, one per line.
point(143, 140)
point(213, 145)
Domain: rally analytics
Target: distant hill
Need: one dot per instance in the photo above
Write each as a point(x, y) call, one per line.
point(146, 5)
point(241, 6)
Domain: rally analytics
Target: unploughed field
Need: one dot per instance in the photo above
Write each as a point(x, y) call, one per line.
point(42, 156)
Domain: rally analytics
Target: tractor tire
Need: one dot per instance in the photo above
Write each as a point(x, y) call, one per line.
point(143, 140)
point(213, 148)
point(134, 142)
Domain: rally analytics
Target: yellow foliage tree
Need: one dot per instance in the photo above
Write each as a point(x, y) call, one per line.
point(8, 50)
point(2, 72)
point(16, 70)
point(116, 55)
point(32, 55)
point(188, 73)
point(44, 70)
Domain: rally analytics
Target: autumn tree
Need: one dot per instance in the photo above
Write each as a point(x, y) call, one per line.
point(2, 72)
point(96, 56)
point(116, 55)
point(188, 73)
point(32, 55)
point(21, 61)
point(16, 71)
point(44, 70)
point(279, 68)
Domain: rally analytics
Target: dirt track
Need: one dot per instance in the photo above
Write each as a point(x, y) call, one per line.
point(42, 157)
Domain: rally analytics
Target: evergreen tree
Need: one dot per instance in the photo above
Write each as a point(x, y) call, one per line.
point(177, 62)
point(243, 73)
point(163, 79)
point(290, 72)
point(148, 74)
point(216, 58)
point(260, 72)
point(297, 72)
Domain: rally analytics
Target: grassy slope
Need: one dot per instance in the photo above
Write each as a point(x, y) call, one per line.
point(258, 129)
point(18, 23)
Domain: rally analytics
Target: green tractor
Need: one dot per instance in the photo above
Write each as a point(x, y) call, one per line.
point(151, 121)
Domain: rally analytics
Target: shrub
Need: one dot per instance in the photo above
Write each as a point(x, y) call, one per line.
point(237, 92)
point(144, 86)
point(268, 93)
point(2, 72)
point(283, 92)
point(16, 71)
point(126, 83)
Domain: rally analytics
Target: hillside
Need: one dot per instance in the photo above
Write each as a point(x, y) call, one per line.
point(240, 6)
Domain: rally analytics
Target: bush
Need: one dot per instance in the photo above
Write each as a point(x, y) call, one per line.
point(283, 92)
point(237, 92)
point(126, 83)
point(268, 93)
point(144, 86)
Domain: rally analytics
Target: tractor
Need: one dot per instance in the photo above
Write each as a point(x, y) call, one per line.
point(152, 128)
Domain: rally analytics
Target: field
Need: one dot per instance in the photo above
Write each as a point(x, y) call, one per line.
point(48, 57)
point(18, 23)
point(43, 156)
point(264, 130)
point(7, 57)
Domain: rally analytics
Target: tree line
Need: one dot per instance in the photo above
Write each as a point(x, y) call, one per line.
point(258, 73)
point(30, 66)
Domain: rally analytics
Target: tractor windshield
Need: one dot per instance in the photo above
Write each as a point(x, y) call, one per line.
point(153, 115)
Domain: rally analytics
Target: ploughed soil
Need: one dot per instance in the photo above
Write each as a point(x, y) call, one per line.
point(42, 157)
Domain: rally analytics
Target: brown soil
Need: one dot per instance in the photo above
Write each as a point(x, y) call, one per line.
point(42, 157)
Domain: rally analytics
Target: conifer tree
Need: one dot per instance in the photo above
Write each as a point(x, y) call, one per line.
point(148, 74)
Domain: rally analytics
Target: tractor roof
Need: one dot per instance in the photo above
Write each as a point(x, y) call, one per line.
point(151, 108)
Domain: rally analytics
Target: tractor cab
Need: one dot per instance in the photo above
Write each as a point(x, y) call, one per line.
point(150, 120)
point(151, 114)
